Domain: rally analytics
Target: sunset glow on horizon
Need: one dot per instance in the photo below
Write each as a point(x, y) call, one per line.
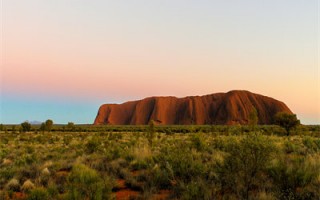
point(63, 59)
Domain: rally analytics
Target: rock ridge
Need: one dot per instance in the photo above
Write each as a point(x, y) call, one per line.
point(228, 108)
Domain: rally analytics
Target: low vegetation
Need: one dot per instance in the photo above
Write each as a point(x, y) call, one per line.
point(159, 162)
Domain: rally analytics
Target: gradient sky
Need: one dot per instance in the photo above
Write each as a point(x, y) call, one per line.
point(62, 59)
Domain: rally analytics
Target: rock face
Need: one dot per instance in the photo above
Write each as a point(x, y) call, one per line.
point(229, 108)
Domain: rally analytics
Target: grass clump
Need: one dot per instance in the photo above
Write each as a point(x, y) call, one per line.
point(27, 186)
point(13, 185)
point(86, 183)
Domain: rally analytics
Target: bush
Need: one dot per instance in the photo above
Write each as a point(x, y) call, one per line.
point(86, 183)
point(294, 178)
point(198, 141)
point(92, 145)
point(44, 176)
point(243, 170)
point(196, 189)
point(287, 121)
point(151, 132)
point(184, 164)
point(71, 126)
point(311, 144)
point(13, 185)
point(48, 125)
point(290, 147)
point(42, 127)
point(161, 177)
point(26, 126)
point(38, 194)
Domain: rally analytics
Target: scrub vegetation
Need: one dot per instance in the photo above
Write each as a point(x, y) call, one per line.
point(159, 162)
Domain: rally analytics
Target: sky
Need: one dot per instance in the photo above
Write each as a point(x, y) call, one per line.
point(61, 59)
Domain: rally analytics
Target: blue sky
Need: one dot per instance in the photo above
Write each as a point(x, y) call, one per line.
point(63, 59)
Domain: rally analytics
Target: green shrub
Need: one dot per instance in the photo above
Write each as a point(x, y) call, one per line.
point(184, 164)
point(92, 145)
point(161, 177)
point(294, 177)
point(6, 173)
point(26, 126)
point(311, 144)
point(139, 164)
point(196, 189)
point(71, 126)
point(48, 125)
point(243, 170)
point(86, 183)
point(67, 139)
point(287, 121)
point(290, 147)
point(38, 194)
point(44, 177)
point(198, 142)
point(52, 190)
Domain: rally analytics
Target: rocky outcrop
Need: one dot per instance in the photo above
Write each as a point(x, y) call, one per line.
point(229, 108)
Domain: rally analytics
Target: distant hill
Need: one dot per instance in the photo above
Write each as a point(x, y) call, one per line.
point(221, 108)
point(34, 122)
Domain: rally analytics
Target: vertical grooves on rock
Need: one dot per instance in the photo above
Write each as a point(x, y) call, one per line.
point(233, 107)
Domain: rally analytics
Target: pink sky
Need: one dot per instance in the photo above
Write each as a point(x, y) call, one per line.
point(128, 51)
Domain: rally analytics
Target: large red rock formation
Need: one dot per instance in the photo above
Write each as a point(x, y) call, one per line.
point(220, 108)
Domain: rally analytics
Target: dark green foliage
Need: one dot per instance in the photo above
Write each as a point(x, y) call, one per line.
point(287, 121)
point(42, 127)
point(182, 163)
point(253, 118)
point(92, 145)
point(38, 194)
point(294, 178)
point(26, 126)
point(86, 183)
point(243, 170)
point(151, 132)
point(48, 125)
point(290, 147)
point(198, 142)
point(196, 189)
point(71, 126)
point(312, 144)
point(162, 177)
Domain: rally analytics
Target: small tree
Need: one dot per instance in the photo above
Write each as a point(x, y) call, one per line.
point(70, 126)
point(287, 121)
point(42, 127)
point(151, 132)
point(253, 118)
point(26, 126)
point(49, 124)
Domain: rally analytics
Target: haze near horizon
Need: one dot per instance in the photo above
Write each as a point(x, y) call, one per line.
point(63, 59)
